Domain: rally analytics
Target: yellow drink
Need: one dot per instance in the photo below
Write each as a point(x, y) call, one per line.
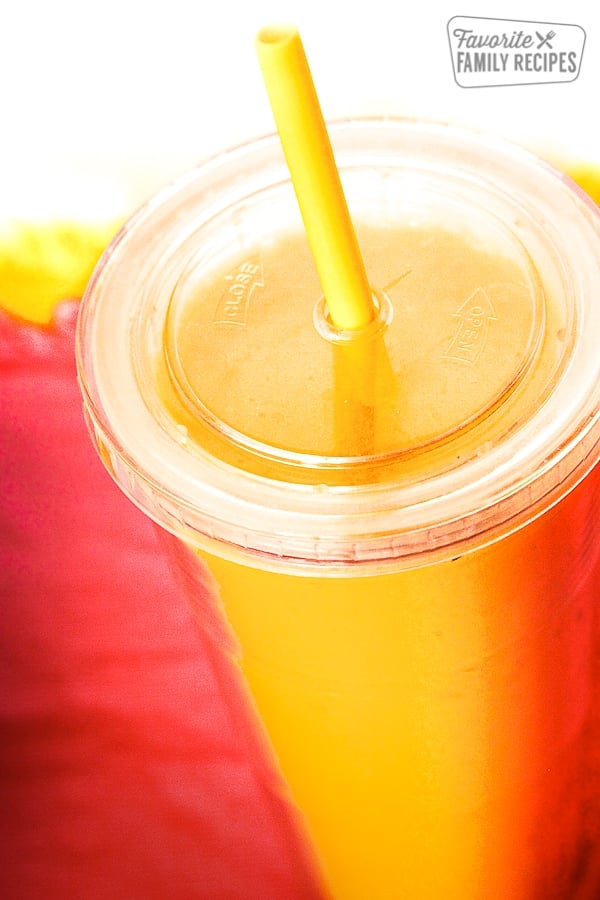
point(418, 736)
point(395, 702)
point(401, 527)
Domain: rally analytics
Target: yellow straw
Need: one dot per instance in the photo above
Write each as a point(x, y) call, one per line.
point(355, 366)
point(315, 177)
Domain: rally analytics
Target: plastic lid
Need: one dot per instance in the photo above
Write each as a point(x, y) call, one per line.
point(228, 408)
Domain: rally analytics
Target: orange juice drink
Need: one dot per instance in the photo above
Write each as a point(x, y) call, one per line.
point(401, 525)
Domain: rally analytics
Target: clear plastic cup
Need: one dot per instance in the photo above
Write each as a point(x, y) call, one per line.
point(402, 525)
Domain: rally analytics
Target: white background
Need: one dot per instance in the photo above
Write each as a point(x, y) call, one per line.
point(102, 103)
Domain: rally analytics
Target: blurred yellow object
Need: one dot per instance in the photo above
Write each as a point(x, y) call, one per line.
point(44, 263)
point(588, 178)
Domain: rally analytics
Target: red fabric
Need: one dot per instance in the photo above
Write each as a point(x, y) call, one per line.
point(128, 769)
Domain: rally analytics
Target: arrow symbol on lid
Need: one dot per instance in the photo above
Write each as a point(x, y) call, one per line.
point(474, 315)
